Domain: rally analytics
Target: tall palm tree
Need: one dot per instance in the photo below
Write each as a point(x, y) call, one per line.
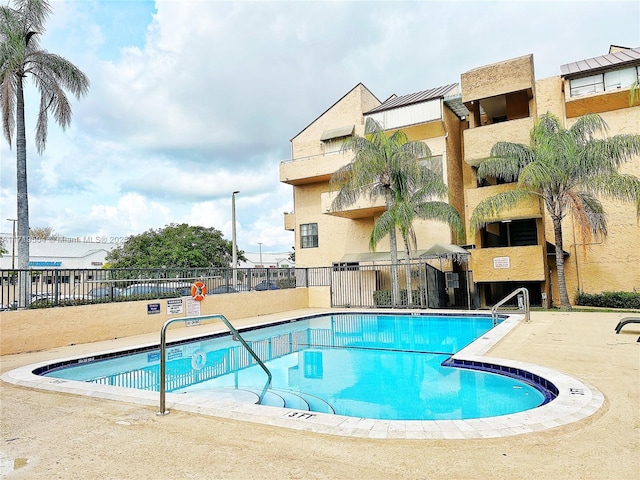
point(20, 57)
point(409, 206)
point(568, 169)
point(382, 165)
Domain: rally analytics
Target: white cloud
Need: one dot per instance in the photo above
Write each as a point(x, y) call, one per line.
point(192, 100)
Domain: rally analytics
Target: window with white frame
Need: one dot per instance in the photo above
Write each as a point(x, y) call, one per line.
point(602, 82)
point(586, 85)
point(309, 235)
point(620, 78)
point(334, 145)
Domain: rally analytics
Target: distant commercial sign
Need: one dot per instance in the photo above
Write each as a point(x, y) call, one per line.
point(45, 264)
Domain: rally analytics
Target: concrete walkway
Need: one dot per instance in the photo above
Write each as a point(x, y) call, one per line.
point(49, 435)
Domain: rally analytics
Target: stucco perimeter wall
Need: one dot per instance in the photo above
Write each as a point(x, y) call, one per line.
point(41, 329)
point(319, 297)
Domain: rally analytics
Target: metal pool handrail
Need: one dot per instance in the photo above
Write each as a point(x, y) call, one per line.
point(525, 292)
point(163, 354)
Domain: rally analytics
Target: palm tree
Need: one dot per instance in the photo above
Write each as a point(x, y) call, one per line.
point(382, 166)
point(568, 169)
point(20, 57)
point(409, 206)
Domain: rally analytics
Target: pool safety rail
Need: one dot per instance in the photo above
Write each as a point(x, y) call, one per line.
point(523, 304)
point(163, 355)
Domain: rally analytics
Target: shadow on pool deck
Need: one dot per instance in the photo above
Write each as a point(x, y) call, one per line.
point(55, 435)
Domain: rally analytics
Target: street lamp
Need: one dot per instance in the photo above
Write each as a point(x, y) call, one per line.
point(13, 244)
point(260, 244)
point(234, 246)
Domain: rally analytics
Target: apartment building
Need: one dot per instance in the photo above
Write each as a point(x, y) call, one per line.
point(460, 123)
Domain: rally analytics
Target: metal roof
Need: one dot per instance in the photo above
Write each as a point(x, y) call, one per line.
point(423, 96)
point(604, 62)
point(454, 102)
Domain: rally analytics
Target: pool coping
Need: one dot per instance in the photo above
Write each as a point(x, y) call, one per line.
point(575, 399)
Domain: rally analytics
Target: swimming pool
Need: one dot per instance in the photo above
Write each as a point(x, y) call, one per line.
point(574, 400)
point(379, 366)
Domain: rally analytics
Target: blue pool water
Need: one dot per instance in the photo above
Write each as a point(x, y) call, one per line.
point(386, 367)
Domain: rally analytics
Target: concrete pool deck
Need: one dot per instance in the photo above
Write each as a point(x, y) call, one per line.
point(60, 435)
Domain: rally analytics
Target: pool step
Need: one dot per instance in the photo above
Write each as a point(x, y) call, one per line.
point(273, 397)
point(297, 400)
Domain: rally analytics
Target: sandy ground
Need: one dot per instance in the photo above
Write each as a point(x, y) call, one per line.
point(58, 436)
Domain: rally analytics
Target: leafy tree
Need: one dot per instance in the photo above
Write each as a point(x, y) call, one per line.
point(389, 167)
point(634, 93)
point(292, 255)
point(174, 246)
point(568, 169)
point(42, 233)
point(3, 250)
point(21, 57)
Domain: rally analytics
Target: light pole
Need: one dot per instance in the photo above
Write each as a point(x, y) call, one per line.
point(13, 244)
point(234, 246)
point(260, 245)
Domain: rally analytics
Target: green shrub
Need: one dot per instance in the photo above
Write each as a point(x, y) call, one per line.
point(609, 299)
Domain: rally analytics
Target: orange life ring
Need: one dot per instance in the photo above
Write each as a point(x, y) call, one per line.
point(198, 291)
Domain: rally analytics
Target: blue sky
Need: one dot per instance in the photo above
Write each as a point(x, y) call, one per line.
point(193, 99)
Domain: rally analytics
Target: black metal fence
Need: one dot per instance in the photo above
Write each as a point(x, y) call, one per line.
point(61, 287)
point(370, 286)
point(351, 285)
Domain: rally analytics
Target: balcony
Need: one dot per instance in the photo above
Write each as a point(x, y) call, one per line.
point(313, 169)
point(529, 209)
point(498, 79)
point(362, 208)
point(290, 222)
point(509, 264)
point(479, 141)
point(596, 103)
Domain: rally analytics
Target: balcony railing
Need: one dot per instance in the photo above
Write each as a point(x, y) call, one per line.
point(479, 141)
point(316, 168)
point(506, 264)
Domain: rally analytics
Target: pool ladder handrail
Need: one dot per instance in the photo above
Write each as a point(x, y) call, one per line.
point(163, 354)
point(526, 305)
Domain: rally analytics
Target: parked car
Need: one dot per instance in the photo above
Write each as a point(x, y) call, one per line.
point(149, 289)
point(266, 285)
point(103, 292)
point(223, 289)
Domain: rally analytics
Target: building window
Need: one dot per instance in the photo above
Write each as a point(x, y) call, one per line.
point(620, 78)
point(334, 139)
point(604, 82)
point(345, 266)
point(586, 85)
point(516, 233)
point(309, 235)
point(334, 145)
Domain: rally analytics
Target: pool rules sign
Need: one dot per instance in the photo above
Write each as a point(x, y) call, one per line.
point(174, 306)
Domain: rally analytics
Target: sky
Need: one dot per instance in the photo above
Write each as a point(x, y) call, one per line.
point(191, 100)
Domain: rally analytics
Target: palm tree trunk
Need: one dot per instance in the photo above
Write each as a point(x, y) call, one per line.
point(395, 282)
point(393, 247)
point(565, 304)
point(22, 199)
point(407, 267)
